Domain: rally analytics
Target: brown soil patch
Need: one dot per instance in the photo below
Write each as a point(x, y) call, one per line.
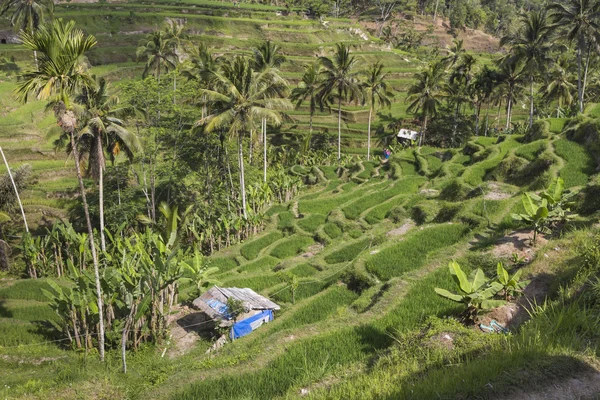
point(187, 326)
point(518, 242)
point(585, 386)
point(400, 231)
point(313, 250)
point(495, 192)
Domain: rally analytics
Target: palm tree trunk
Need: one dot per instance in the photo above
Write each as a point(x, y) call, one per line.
point(579, 88)
point(310, 121)
point(101, 190)
point(16, 191)
point(369, 134)
point(242, 180)
point(530, 101)
point(264, 133)
point(585, 76)
point(508, 111)
point(424, 129)
point(92, 247)
point(339, 129)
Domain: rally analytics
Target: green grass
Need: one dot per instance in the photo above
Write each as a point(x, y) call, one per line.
point(223, 263)
point(30, 289)
point(332, 230)
point(256, 283)
point(251, 249)
point(412, 252)
point(532, 150)
point(579, 163)
point(262, 264)
point(303, 270)
point(291, 246)
point(347, 253)
point(312, 222)
point(319, 308)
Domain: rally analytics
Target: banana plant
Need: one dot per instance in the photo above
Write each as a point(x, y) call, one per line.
point(476, 294)
point(536, 213)
point(512, 286)
point(196, 270)
point(559, 201)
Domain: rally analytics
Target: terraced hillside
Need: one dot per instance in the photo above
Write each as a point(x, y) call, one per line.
point(368, 244)
point(120, 26)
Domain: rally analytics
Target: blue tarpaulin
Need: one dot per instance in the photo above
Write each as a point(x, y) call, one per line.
point(244, 327)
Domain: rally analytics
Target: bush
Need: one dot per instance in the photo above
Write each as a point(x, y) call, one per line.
point(358, 281)
point(251, 249)
point(447, 213)
point(397, 214)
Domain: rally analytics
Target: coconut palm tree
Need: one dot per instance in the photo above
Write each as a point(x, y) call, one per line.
point(265, 56)
point(177, 40)
point(425, 94)
point(455, 53)
point(510, 78)
point(376, 93)
point(62, 71)
point(158, 52)
point(559, 88)
point(240, 94)
point(101, 130)
point(307, 89)
point(581, 18)
point(339, 79)
point(28, 15)
point(531, 45)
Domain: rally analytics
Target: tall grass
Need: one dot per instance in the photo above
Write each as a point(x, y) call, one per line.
point(347, 253)
point(312, 222)
point(579, 163)
point(292, 246)
point(411, 253)
point(261, 264)
point(251, 249)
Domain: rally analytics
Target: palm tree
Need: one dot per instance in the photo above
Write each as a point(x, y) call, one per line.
point(339, 77)
point(28, 15)
point(481, 92)
point(266, 56)
point(582, 20)
point(559, 88)
point(531, 45)
point(200, 67)
point(158, 51)
point(177, 39)
point(62, 71)
point(377, 93)
point(425, 94)
point(102, 129)
point(510, 78)
point(455, 53)
point(307, 89)
point(240, 94)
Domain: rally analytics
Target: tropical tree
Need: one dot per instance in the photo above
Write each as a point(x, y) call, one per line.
point(425, 94)
point(559, 88)
point(240, 94)
point(307, 89)
point(455, 53)
point(177, 40)
point(61, 72)
point(102, 130)
point(266, 56)
point(376, 93)
point(531, 45)
point(339, 78)
point(581, 19)
point(158, 51)
point(27, 15)
point(510, 78)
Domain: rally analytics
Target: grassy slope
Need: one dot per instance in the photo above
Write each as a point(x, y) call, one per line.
point(329, 337)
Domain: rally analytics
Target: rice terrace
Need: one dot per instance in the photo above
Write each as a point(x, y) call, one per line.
point(303, 199)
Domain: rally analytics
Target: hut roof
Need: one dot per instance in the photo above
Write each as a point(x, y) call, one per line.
point(214, 301)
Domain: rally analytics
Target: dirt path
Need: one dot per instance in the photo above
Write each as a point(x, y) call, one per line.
point(585, 386)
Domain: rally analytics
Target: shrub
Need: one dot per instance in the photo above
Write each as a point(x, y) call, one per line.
point(454, 191)
point(251, 249)
point(412, 252)
point(355, 233)
point(447, 213)
point(358, 281)
point(292, 246)
point(397, 214)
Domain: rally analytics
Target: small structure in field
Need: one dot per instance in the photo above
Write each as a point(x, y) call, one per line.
point(406, 136)
point(257, 309)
